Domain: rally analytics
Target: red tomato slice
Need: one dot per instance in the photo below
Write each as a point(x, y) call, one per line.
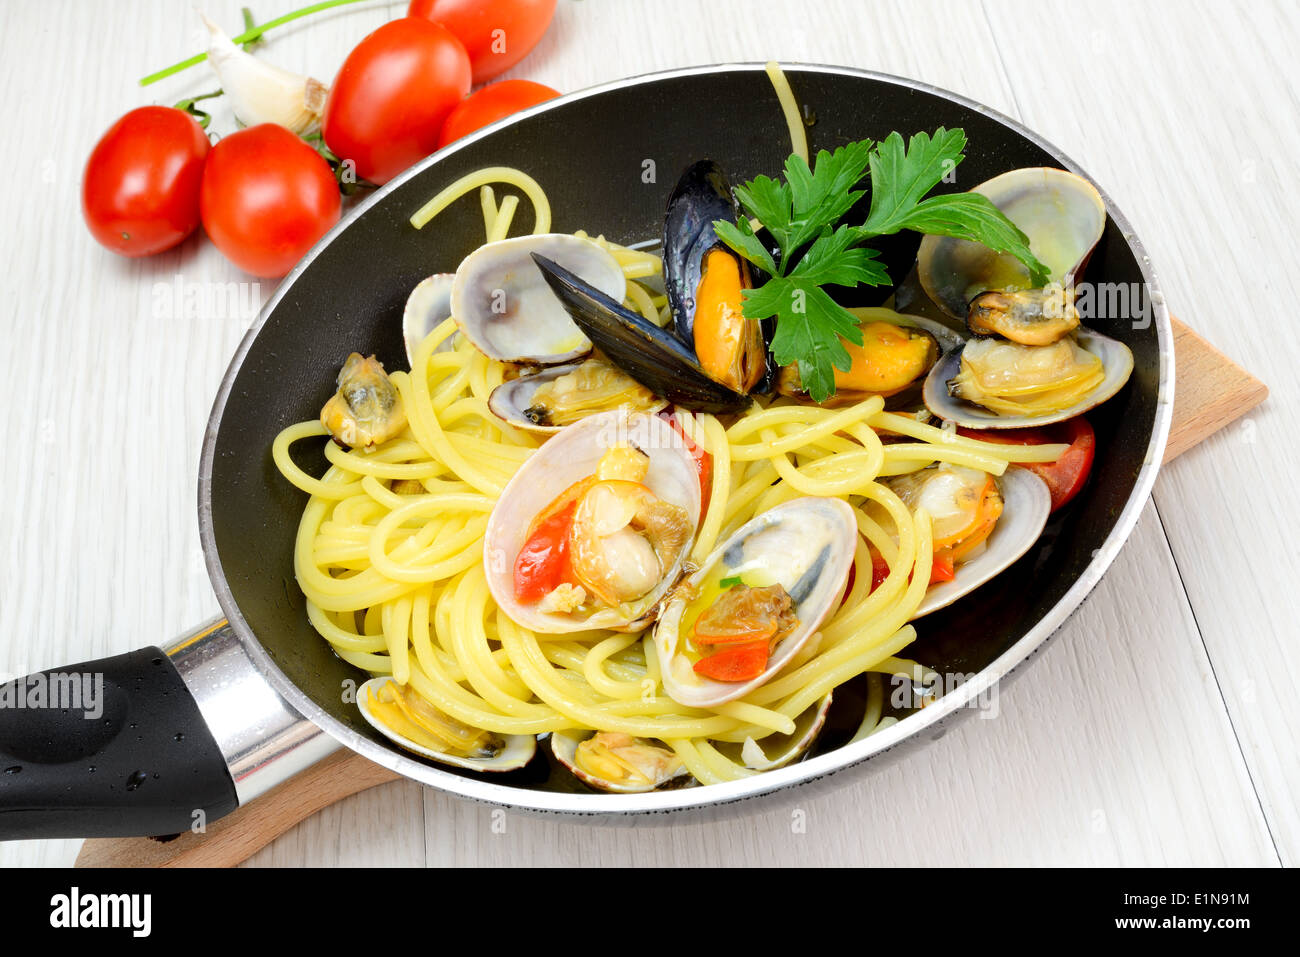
point(703, 462)
point(1064, 477)
point(492, 103)
point(543, 562)
point(735, 663)
point(942, 569)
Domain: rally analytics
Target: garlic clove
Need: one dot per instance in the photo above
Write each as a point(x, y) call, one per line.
point(261, 92)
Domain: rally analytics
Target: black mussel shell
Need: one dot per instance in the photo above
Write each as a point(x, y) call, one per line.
point(702, 195)
point(651, 356)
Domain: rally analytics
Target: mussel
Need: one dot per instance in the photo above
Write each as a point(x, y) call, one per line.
point(897, 351)
point(704, 280)
point(710, 357)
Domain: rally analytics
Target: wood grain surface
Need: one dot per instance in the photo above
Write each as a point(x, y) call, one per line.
point(1158, 728)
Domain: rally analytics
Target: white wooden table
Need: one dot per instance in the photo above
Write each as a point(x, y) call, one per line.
point(1159, 728)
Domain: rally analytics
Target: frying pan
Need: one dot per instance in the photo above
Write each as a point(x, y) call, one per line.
point(189, 732)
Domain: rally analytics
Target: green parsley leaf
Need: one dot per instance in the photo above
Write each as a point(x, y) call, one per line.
point(809, 330)
point(740, 237)
point(803, 215)
point(731, 582)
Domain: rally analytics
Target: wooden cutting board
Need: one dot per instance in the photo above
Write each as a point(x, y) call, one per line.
point(1210, 391)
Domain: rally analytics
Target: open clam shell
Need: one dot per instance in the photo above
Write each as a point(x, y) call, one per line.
point(805, 545)
point(1116, 359)
point(778, 750)
point(506, 308)
point(567, 458)
point(1062, 214)
point(513, 401)
point(427, 307)
point(564, 745)
point(516, 751)
point(1026, 503)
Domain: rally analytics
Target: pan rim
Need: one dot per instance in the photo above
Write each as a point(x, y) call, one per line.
point(849, 757)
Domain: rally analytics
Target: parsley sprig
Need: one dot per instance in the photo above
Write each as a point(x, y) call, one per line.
point(803, 215)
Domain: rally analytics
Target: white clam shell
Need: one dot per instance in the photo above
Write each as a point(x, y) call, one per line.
point(509, 400)
point(569, 457)
point(1062, 214)
point(778, 750)
point(797, 538)
point(1026, 505)
point(518, 751)
point(564, 745)
point(427, 307)
point(1116, 358)
point(504, 305)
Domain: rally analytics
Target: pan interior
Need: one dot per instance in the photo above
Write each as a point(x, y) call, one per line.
point(608, 161)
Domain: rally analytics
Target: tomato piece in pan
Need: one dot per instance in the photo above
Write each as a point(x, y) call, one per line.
point(1067, 475)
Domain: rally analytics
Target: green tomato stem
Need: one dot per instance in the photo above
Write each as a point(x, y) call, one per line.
point(245, 37)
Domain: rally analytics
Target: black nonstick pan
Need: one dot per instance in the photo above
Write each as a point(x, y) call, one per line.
point(187, 733)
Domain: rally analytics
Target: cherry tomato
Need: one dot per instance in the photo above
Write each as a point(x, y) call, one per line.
point(493, 102)
point(140, 191)
point(267, 197)
point(1066, 475)
point(392, 95)
point(497, 33)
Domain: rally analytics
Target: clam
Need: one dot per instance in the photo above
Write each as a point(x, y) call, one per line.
point(998, 384)
point(506, 309)
point(776, 579)
point(620, 494)
point(618, 762)
point(554, 397)
point(897, 351)
point(981, 523)
point(367, 409)
point(1062, 214)
point(413, 723)
point(778, 750)
point(427, 307)
point(1041, 366)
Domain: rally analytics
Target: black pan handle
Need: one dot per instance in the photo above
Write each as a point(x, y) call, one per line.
point(108, 748)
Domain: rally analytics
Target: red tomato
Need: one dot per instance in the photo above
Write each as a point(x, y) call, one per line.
point(742, 662)
point(703, 462)
point(392, 95)
point(492, 103)
point(266, 198)
point(497, 33)
point(542, 562)
point(1066, 475)
point(140, 191)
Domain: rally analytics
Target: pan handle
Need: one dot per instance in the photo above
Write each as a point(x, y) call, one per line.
point(152, 742)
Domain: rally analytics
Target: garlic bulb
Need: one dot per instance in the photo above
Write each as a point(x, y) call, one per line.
point(260, 92)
